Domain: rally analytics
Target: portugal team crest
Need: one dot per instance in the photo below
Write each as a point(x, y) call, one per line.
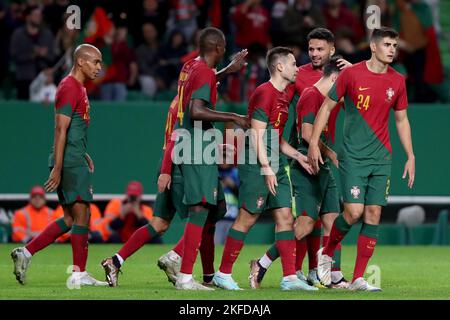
point(355, 192)
point(259, 202)
point(390, 93)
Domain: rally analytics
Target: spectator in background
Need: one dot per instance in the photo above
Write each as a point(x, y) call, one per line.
point(252, 23)
point(64, 46)
point(337, 16)
point(124, 216)
point(349, 51)
point(147, 59)
point(170, 58)
point(96, 226)
point(123, 69)
point(420, 52)
point(4, 39)
point(43, 88)
point(32, 219)
point(277, 13)
point(154, 12)
point(53, 11)
point(299, 19)
point(183, 17)
point(31, 49)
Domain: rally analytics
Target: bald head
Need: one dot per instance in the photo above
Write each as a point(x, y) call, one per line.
point(84, 50)
point(210, 39)
point(87, 61)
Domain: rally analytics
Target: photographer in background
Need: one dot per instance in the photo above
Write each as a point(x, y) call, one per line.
point(124, 216)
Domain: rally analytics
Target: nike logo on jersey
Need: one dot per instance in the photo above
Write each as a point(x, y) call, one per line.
point(363, 89)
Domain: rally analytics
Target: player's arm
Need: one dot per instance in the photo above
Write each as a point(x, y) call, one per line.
point(256, 135)
point(200, 111)
point(236, 64)
point(291, 152)
point(307, 129)
point(314, 154)
point(90, 162)
point(62, 123)
point(165, 175)
point(404, 133)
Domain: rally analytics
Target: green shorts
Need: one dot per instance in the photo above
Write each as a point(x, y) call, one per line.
point(170, 202)
point(314, 195)
point(255, 197)
point(201, 184)
point(365, 183)
point(75, 185)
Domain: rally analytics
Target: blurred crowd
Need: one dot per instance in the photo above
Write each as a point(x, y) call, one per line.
point(144, 43)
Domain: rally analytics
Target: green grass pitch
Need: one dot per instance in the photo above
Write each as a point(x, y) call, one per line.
point(406, 273)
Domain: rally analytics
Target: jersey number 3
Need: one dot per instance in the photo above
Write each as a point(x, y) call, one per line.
point(363, 102)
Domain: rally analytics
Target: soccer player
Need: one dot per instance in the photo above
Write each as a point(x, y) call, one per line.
point(71, 169)
point(320, 50)
point(370, 90)
point(203, 194)
point(169, 201)
point(315, 195)
point(263, 185)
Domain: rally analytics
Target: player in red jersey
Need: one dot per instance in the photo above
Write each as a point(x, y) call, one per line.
point(320, 50)
point(169, 201)
point(71, 170)
point(370, 90)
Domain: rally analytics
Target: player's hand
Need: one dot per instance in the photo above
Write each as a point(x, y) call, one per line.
point(303, 160)
point(271, 180)
point(314, 157)
point(53, 180)
point(164, 180)
point(90, 163)
point(333, 157)
point(342, 64)
point(410, 169)
point(242, 121)
point(238, 61)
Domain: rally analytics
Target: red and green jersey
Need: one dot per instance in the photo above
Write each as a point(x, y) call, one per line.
point(71, 100)
point(196, 81)
point(307, 108)
point(166, 165)
point(368, 99)
point(307, 76)
point(269, 105)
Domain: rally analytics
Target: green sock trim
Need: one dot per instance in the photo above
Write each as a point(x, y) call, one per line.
point(151, 230)
point(198, 218)
point(337, 259)
point(79, 229)
point(273, 252)
point(237, 235)
point(316, 232)
point(342, 225)
point(284, 235)
point(62, 225)
point(369, 230)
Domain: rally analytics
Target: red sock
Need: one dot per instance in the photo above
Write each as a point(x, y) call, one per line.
point(52, 232)
point(285, 241)
point(137, 240)
point(366, 246)
point(79, 239)
point(179, 247)
point(207, 248)
point(313, 243)
point(300, 251)
point(192, 240)
point(338, 232)
point(233, 246)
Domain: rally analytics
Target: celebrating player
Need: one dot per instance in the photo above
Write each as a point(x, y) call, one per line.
point(71, 169)
point(268, 111)
point(370, 89)
point(315, 195)
point(169, 201)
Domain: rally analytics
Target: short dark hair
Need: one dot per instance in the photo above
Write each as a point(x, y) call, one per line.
point(383, 32)
point(332, 66)
point(275, 53)
point(209, 38)
point(29, 10)
point(321, 34)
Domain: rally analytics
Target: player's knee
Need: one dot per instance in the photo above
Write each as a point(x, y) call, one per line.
point(160, 225)
point(372, 215)
point(353, 215)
